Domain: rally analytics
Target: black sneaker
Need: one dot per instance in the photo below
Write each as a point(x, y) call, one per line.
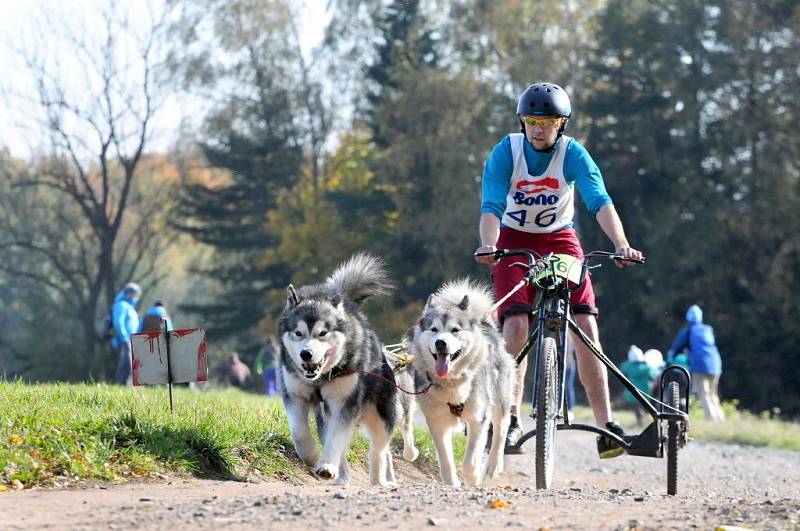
point(515, 433)
point(607, 447)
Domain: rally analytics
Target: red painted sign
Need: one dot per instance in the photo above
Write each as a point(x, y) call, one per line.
point(188, 359)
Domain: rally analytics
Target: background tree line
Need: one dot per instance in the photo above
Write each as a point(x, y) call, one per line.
point(376, 141)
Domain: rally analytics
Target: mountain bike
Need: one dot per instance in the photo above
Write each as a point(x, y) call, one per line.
point(556, 276)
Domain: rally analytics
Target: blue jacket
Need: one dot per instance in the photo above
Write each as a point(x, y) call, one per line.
point(698, 339)
point(124, 318)
point(158, 311)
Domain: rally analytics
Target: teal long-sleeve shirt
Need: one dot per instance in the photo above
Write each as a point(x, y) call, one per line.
point(579, 169)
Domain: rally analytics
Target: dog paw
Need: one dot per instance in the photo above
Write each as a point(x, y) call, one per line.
point(471, 480)
point(410, 454)
point(452, 482)
point(342, 481)
point(326, 471)
point(495, 473)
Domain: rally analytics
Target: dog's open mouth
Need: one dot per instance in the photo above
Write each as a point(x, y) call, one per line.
point(311, 369)
point(444, 362)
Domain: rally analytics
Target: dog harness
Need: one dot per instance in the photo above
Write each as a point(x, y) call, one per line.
point(456, 409)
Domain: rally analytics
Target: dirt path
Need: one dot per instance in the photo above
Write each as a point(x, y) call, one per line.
point(718, 485)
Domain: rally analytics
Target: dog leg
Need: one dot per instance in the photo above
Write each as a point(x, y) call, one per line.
point(410, 452)
point(389, 468)
point(501, 420)
point(304, 444)
point(338, 433)
point(344, 470)
point(444, 451)
point(381, 469)
point(473, 456)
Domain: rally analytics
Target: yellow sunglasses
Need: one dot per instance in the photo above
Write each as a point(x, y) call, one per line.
point(539, 121)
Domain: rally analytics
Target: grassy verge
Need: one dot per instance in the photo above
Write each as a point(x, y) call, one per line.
point(60, 433)
point(56, 434)
point(739, 427)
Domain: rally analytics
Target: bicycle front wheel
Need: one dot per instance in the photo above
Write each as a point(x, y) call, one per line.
point(546, 412)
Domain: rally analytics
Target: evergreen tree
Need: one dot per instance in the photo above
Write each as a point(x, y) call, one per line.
point(255, 136)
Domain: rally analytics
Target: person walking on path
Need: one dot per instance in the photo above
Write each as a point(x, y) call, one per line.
point(151, 322)
point(236, 372)
point(705, 363)
point(641, 375)
point(266, 365)
point(125, 321)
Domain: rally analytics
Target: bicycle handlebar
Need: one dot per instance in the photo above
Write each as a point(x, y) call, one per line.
point(502, 253)
point(613, 256)
point(533, 257)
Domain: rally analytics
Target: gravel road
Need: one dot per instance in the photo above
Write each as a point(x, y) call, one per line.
point(719, 485)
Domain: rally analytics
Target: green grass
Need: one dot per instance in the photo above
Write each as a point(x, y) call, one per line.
point(427, 450)
point(739, 427)
point(742, 427)
point(58, 433)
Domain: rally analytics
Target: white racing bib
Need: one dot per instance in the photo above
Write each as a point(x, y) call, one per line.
point(543, 203)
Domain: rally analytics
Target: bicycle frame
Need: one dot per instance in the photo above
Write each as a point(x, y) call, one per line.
point(553, 319)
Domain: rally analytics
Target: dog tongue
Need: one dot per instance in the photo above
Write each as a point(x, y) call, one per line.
point(442, 365)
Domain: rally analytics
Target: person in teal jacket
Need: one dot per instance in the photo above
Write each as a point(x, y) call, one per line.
point(126, 322)
point(641, 375)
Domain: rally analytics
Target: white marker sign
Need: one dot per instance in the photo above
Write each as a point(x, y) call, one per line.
point(188, 361)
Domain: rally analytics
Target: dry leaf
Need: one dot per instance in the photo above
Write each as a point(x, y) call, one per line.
point(497, 503)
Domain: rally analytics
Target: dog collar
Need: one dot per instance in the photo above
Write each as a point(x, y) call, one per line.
point(338, 371)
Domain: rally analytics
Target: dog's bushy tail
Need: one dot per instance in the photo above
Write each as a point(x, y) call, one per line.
point(360, 278)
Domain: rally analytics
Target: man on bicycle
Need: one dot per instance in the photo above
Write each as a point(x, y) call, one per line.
point(528, 202)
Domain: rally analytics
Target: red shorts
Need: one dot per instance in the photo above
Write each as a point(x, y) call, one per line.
point(564, 241)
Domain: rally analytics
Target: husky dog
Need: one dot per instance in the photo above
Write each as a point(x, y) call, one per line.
point(458, 352)
point(327, 346)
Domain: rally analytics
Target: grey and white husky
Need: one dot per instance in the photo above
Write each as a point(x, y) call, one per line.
point(458, 351)
point(327, 347)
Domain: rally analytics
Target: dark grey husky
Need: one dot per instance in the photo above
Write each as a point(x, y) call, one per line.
point(327, 347)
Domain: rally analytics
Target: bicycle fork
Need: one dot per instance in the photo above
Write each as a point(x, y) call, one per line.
point(551, 322)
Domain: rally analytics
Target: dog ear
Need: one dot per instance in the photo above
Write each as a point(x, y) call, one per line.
point(464, 303)
point(336, 300)
point(428, 302)
point(424, 323)
point(292, 299)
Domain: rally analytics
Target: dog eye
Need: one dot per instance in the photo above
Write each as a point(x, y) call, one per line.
point(298, 333)
point(323, 333)
point(434, 329)
point(455, 329)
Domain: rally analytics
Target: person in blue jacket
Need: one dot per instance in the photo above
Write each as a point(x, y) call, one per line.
point(126, 322)
point(705, 363)
point(151, 322)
